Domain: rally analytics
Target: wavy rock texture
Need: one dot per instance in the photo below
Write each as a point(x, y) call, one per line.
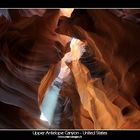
point(114, 59)
point(31, 46)
point(28, 47)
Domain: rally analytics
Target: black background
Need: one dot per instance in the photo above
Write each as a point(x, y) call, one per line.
point(111, 134)
point(69, 3)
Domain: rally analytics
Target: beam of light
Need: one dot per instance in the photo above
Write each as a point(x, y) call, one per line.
point(50, 99)
point(76, 43)
point(43, 118)
point(77, 48)
point(66, 11)
point(72, 43)
point(49, 103)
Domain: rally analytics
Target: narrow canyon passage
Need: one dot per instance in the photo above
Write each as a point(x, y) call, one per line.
point(102, 88)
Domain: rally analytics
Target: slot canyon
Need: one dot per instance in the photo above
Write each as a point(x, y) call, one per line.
point(102, 90)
